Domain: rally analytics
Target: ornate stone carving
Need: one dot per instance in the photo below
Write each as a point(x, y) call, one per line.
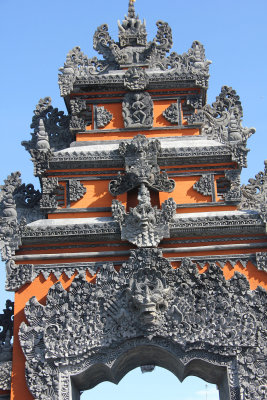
point(136, 79)
point(144, 225)
point(234, 194)
point(48, 123)
point(76, 67)
point(223, 122)
point(9, 226)
point(205, 185)
point(76, 190)
point(147, 299)
point(173, 113)
point(141, 167)
point(5, 375)
point(132, 31)
point(81, 115)
point(261, 259)
point(102, 117)
point(17, 275)
point(137, 110)
point(254, 194)
point(50, 190)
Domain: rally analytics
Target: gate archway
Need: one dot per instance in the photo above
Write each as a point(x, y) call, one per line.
point(150, 354)
point(147, 313)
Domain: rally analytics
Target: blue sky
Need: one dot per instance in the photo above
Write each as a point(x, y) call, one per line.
point(36, 36)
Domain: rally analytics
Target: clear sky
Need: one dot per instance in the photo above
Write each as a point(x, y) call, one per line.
point(34, 40)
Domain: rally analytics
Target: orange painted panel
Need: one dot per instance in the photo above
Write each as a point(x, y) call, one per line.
point(184, 193)
point(187, 210)
point(97, 195)
point(159, 108)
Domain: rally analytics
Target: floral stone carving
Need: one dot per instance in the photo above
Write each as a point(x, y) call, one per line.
point(102, 117)
point(18, 275)
point(205, 185)
point(173, 114)
point(141, 166)
point(147, 299)
point(137, 110)
point(144, 225)
point(136, 79)
point(76, 190)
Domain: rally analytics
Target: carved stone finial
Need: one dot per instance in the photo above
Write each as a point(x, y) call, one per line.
point(132, 31)
point(144, 225)
point(42, 137)
point(141, 167)
point(50, 126)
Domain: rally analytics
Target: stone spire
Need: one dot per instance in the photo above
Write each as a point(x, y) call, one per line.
point(132, 31)
point(131, 9)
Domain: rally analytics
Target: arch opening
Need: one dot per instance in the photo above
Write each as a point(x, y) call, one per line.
point(151, 355)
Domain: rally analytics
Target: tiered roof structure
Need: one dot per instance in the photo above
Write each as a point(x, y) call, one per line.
point(141, 248)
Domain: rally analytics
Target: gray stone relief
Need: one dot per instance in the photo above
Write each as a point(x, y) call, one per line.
point(49, 193)
point(136, 79)
point(18, 275)
point(76, 190)
point(173, 113)
point(261, 259)
point(137, 110)
point(234, 194)
point(254, 194)
point(223, 122)
point(147, 299)
point(144, 225)
point(205, 185)
point(141, 167)
point(102, 117)
point(81, 115)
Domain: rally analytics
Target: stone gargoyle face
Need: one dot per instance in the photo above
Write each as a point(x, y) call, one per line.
point(149, 299)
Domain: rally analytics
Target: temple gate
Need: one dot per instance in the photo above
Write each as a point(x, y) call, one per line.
point(142, 247)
